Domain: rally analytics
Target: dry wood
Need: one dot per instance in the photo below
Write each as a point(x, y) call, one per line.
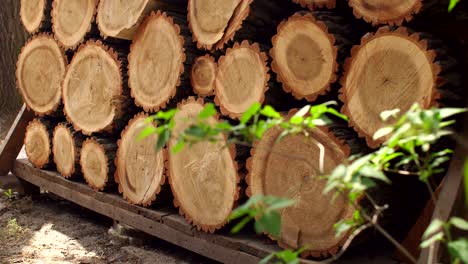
point(389, 70)
point(93, 96)
point(215, 22)
point(97, 162)
point(314, 4)
point(38, 143)
point(203, 176)
point(33, 13)
point(290, 168)
point(71, 20)
point(393, 12)
point(40, 70)
point(203, 75)
point(155, 62)
point(66, 147)
point(139, 168)
point(304, 56)
point(242, 79)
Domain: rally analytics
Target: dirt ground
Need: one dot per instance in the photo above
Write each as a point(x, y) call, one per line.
point(51, 230)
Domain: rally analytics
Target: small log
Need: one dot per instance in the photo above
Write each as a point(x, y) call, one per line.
point(40, 70)
point(389, 70)
point(203, 75)
point(121, 19)
point(97, 162)
point(66, 147)
point(315, 4)
point(306, 51)
point(38, 143)
point(385, 11)
point(203, 177)
point(290, 168)
point(242, 79)
point(35, 14)
point(71, 20)
point(155, 62)
point(139, 168)
point(93, 95)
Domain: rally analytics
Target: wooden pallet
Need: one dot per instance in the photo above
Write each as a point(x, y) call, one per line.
point(163, 223)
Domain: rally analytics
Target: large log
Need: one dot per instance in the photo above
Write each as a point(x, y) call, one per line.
point(39, 72)
point(242, 79)
point(93, 95)
point(155, 62)
point(34, 14)
point(38, 143)
point(139, 168)
point(385, 11)
point(66, 147)
point(203, 75)
point(203, 177)
point(290, 168)
point(389, 70)
point(71, 20)
point(97, 162)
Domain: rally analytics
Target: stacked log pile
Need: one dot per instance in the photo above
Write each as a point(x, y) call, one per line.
point(153, 55)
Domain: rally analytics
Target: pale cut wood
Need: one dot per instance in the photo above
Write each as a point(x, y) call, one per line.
point(71, 20)
point(213, 22)
point(40, 70)
point(203, 176)
point(38, 143)
point(290, 168)
point(242, 79)
point(139, 168)
point(304, 56)
point(391, 12)
point(155, 62)
point(203, 75)
point(11, 146)
point(389, 70)
point(96, 161)
point(93, 96)
point(66, 147)
point(32, 14)
point(314, 4)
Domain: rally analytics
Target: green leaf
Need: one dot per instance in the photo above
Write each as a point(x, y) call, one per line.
point(452, 5)
point(296, 120)
point(195, 131)
point(161, 115)
point(385, 115)
point(253, 110)
point(269, 111)
point(459, 223)
point(433, 227)
point(267, 259)
point(342, 227)
point(459, 249)
point(162, 139)
point(239, 226)
point(303, 111)
point(447, 112)
point(270, 223)
point(371, 172)
point(466, 182)
point(208, 111)
point(428, 242)
point(148, 131)
point(280, 204)
point(223, 126)
point(178, 147)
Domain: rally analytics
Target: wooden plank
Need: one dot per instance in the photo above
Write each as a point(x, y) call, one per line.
point(141, 218)
point(13, 143)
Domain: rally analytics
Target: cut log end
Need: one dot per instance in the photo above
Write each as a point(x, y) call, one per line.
point(139, 168)
point(315, 4)
point(37, 143)
point(71, 20)
point(94, 164)
point(39, 72)
point(32, 14)
point(64, 150)
point(92, 88)
point(277, 168)
point(203, 75)
point(155, 62)
point(203, 177)
point(389, 70)
point(384, 11)
point(120, 18)
point(304, 57)
point(213, 23)
point(242, 79)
